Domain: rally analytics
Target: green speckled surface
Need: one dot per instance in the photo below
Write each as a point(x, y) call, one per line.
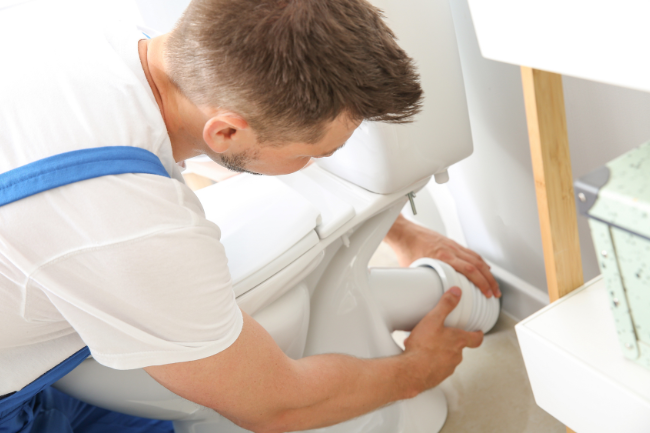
point(621, 238)
point(633, 256)
point(607, 260)
point(625, 200)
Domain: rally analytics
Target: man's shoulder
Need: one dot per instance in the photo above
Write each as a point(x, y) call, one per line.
point(98, 213)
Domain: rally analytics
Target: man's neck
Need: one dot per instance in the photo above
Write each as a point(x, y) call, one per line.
point(182, 119)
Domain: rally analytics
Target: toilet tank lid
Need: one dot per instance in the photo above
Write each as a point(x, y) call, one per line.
point(260, 219)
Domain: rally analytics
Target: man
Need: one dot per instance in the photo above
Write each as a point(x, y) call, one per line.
point(128, 266)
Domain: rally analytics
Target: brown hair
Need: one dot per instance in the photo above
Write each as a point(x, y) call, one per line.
point(291, 66)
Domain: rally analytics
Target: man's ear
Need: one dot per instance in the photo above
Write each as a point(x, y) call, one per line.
point(222, 131)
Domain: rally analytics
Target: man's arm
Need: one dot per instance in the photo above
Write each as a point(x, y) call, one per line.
point(254, 384)
point(411, 241)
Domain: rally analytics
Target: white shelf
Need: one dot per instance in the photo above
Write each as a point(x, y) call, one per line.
point(605, 41)
point(576, 368)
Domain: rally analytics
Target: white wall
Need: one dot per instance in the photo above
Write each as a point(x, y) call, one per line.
point(494, 188)
point(161, 15)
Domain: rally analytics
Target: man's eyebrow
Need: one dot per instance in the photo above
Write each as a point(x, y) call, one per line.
point(332, 151)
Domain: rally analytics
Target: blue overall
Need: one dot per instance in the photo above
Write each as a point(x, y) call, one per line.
point(39, 408)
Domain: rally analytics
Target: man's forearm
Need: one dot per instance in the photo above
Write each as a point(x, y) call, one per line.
point(335, 388)
point(255, 385)
point(399, 239)
point(258, 387)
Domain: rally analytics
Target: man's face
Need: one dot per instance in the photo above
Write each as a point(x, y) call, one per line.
point(286, 158)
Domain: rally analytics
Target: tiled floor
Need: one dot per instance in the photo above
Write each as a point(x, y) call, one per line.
point(489, 391)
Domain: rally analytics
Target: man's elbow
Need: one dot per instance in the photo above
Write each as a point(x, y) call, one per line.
point(275, 423)
point(264, 427)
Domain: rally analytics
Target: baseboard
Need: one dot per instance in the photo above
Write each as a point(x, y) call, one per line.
point(520, 299)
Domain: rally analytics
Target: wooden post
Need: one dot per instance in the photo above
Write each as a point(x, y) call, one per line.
point(549, 147)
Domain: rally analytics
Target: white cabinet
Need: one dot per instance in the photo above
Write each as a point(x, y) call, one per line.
point(576, 368)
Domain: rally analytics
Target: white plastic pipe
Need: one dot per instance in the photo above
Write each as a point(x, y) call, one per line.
point(406, 295)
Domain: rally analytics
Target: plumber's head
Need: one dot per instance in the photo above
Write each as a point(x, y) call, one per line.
point(284, 81)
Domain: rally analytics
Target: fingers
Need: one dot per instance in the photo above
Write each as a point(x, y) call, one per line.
point(447, 303)
point(484, 269)
point(477, 271)
point(474, 339)
point(468, 339)
point(477, 261)
point(411, 241)
point(473, 274)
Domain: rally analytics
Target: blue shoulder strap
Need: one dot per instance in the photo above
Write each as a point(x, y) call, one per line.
point(75, 166)
point(13, 402)
point(53, 172)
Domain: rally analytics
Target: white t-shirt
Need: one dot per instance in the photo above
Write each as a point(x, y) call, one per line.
point(127, 265)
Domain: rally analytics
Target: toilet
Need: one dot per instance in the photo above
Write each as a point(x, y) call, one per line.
point(298, 247)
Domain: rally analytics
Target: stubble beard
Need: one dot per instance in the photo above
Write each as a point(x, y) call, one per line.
point(236, 162)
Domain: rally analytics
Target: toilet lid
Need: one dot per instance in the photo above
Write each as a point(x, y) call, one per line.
point(312, 183)
point(260, 219)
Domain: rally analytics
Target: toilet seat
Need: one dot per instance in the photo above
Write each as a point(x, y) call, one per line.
point(311, 183)
point(268, 223)
point(265, 225)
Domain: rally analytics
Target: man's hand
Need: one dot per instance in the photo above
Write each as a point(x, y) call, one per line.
point(440, 348)
point(410, 242)
point(259, 388)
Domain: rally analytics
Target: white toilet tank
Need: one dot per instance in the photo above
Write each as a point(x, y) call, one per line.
point(385, 158)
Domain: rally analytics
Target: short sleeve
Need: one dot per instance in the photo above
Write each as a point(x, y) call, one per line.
point(163, 297)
